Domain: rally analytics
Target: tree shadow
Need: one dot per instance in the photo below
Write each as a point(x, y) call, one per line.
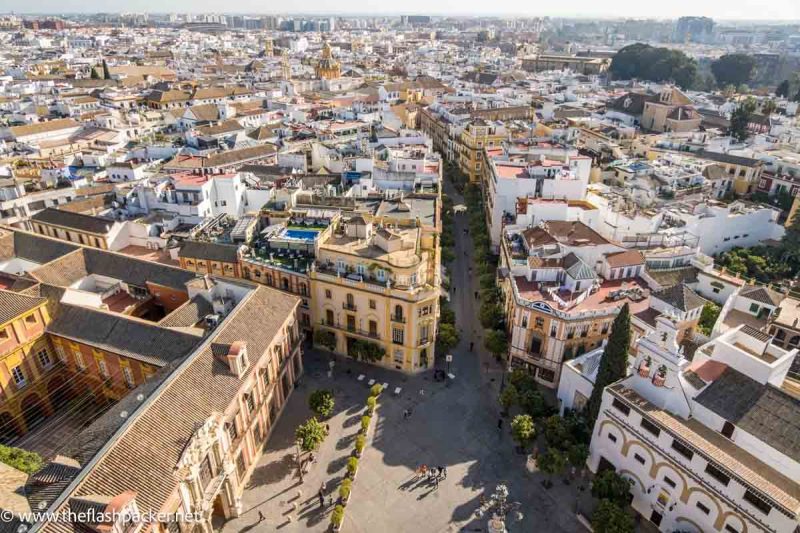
point(352, 420)
point(272, 472)
point(337, 464)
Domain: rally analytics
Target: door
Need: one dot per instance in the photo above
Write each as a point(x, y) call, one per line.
point(655, 518)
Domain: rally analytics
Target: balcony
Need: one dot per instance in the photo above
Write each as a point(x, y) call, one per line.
point(351, 329)
point(350, 307)
point(399, 319)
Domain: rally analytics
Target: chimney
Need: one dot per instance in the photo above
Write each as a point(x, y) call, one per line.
point(237, 358)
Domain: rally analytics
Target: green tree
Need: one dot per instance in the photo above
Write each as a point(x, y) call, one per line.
point(523, 429)
point(552, 463)
point(769, 107)
point(94, 75)
point(733, 69)
point(532, 402)
point(310, 434)
point(447, 338)
point(740, 118)
point(106, 72)
point(491, 314)
point(366, 351)
point(610, 518)
point(577, 455)
point(782, 91)
point(708, 317)
point(646, 62)
point(496, 342)
point(556, 433)
point(326, 339)
point(608, 485)
point(22, 460)
point(613, 362)
point(509, 396)
point(321, 402)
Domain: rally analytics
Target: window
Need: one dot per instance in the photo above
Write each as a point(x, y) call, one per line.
point(249, 402)
point(524, 323)
point(44, 358)
point(717, 474)
point(372, 304)
point(19, 376)
point(31, 319)
point(754, 308)
point(240, 464)
point(639, 458)
point(4, 334)
point(669, 482)
point(539, 323)
point(682, 449)
point(103, 367)
point(703, 508)
point(754, 500)
point(328, 294)
point(397, 336)
point(230, 427)
point(727, 429)
point(730, 529)
point(621, 407)
point(79, 361)
point(547, 375)
point(128, 375)
point(612, 437)
point(649, 426)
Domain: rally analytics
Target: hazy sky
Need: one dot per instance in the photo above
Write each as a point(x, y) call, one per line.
point(779, 10)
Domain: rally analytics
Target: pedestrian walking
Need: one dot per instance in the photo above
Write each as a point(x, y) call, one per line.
point(406, 414)
point(422, 392)
point(321, 500)
point(261, 517)
point(471, 345)
point(444, 472)
point(436, 481)
point(476, 295)
point(327, 428)
point(499, 424)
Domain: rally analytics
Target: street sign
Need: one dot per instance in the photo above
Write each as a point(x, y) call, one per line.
point(448, 358)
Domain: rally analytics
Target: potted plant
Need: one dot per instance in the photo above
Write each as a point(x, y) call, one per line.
point(344, 490)
point(644, 367)
point(660, 377)
point(352, 467)
point(337, 517)
point(361, 442)
point(371, 403)
point(365, 422)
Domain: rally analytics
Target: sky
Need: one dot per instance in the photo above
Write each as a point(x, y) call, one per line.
point(775, 10)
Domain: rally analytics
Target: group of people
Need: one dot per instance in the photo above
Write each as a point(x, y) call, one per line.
point(434, 473)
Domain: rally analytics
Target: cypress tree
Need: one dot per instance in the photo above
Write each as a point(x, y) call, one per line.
point(613, 362)
point(106, 72)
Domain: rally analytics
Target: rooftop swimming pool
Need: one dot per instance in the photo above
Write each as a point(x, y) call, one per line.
point(300, 234)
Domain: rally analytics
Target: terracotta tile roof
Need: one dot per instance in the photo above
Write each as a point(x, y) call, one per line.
point(626, 258)
point(143, 454)
point(43, 127)
point(14, 304)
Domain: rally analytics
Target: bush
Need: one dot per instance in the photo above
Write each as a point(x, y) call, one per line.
point(361, 442)
point(22, 460)
point(321, 402)
point(345, 488)
point(365, 422)
point(509, 396)
point(337, 516)
point(523, 429)
point(371, 403)
point(375, 390)
point(352, 465)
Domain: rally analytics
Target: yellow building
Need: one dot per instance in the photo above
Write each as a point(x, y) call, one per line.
point(375, 285)
point(328, 68)
point(477, 136)
point(26, 362)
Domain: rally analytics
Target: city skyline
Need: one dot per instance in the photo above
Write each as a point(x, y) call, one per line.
point(783, 11)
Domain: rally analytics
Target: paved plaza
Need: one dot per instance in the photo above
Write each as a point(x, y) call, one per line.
point(452, 424)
